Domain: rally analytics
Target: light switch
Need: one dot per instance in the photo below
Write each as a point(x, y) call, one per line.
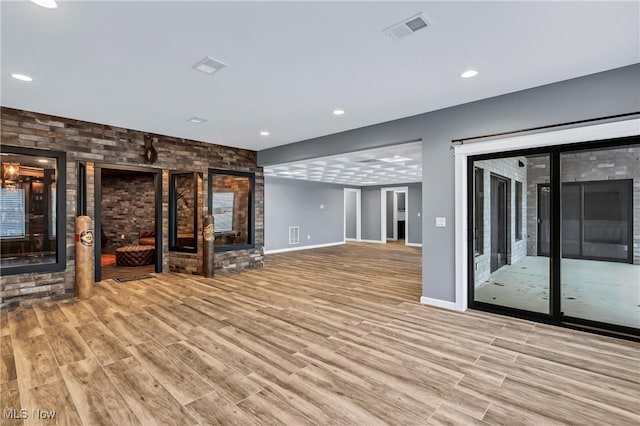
point(441, 222)
point(418, 214)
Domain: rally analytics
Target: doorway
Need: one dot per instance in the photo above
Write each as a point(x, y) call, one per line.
point(394, 218)
point(573, 257)
point(499, 223)
point(352, 214)
point(128, 221)
point(544, 220)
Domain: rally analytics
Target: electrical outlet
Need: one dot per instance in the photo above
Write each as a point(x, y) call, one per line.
point(308, 237)
point(321, 206)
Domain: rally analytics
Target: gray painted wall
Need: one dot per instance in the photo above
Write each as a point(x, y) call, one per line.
point(289, 202)
point(597, 95)
point(371, 212)
point(389, 214)
point(414, 232)
point(350, 212)
point(370, 209)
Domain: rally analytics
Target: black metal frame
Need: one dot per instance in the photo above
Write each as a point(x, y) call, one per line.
point(157, 180)
point(252, 203)
point(173, 212)
point(61, 212)
point(81, 195)
point(555, 315)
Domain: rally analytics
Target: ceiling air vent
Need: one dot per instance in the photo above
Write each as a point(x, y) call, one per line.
point(370, 161)
point(406, 27)
point(209, 65)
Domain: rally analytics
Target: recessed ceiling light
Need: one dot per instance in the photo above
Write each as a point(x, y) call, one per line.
point(338, 112)
point(21, 77)
point(264, 133)
point(469, 74)
point(48, 4)
point(197, 120)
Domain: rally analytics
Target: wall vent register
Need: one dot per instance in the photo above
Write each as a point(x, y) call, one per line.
point(294, 235)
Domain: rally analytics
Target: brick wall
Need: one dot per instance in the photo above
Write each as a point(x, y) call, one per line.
point(91, 142)
point(508, 168)
point(609, 164)
point(128, 206)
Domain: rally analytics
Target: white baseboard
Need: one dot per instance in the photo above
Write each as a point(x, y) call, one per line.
point(284, 250)
point(373, 241)
point(353, 239)
point(413, 244)
point(439, 303)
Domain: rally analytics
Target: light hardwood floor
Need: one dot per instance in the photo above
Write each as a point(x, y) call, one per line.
point(328, 336)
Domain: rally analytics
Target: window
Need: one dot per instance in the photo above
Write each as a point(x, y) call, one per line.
point(478, 234)
point(183, 212)
point(231, 202)
point(518, 211)
point(31, 210)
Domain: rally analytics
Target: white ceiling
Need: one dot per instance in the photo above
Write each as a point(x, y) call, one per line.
point(291, 63)
point(380, 166)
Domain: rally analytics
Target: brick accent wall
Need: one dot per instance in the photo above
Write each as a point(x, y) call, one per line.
point(508, 168)
point(128, 206)
point(91, 142)
point(608, 164)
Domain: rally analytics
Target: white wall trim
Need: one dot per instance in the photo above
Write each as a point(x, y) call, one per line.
point(373, 241)
point(414, 244)
point(439, 303)
point(557, 137)
point(383, 211)
point(358, 193)
point(315, 246)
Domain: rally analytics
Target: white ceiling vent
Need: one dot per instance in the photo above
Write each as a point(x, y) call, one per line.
point(209, 65)
point(407, 27)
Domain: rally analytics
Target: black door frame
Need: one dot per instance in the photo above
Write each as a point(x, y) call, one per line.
point(157, 181)
point(556, 316)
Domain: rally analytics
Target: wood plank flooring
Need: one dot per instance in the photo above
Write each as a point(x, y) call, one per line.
point(332, 336)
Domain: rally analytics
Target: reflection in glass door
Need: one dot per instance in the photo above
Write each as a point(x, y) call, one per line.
point(600, 273)
point(556, 234)
point(509, 268)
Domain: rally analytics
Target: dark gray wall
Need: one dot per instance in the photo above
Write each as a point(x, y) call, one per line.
point(289, 202)
point(597, 95)
point(351, 222)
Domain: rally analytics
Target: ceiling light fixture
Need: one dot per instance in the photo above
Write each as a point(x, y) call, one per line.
point(47, 4)
point(469, 74)
point(264, 133)
point(395, 159)
point(197, 120)
point(21, 77)
point(338, 112)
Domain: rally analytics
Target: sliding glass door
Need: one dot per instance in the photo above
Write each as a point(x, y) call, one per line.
point(600, 278)
point(556, 233)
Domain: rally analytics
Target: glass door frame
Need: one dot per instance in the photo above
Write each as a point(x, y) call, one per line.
point(555, 315)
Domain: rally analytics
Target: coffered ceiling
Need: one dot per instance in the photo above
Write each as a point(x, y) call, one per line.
point(380, 166)
point(289, 65)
